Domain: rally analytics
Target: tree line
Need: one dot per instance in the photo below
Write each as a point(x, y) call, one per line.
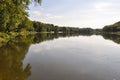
point(44, 27)
point(13, 13)
point(14, 18)
point(112, 28)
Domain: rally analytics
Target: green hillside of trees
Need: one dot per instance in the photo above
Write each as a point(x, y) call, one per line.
point(112, 28)
point(14, 18)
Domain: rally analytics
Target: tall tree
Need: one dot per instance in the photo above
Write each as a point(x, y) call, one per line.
point(13, 12)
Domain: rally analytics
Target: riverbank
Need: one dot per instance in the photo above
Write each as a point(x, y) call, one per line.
point(5, 37)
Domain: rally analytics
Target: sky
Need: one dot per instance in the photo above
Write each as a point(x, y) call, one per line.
point(76, 13)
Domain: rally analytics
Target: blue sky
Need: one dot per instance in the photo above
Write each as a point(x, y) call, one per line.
point(77, 13)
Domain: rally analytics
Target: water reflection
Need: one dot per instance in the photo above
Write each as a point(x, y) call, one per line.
point(11, 56)
point(114, 37)
point(74, 58)
point(43, 37)
point(14, 52)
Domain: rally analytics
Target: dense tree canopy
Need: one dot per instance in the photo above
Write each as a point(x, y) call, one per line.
point(112, 28)
point(14, 18)
point(13, 13)
point(44, 27)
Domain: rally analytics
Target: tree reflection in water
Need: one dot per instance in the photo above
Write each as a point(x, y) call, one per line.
point(11, 56)
point(14, 51)
point(114, 37)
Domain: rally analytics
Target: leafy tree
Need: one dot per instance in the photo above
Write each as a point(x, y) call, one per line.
point(12, 13)
point(112, 28)
point(26, 25)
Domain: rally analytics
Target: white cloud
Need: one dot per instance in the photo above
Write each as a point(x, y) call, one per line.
point(102, 6)
point(44, 17)
point(80, 13)
point(36, 13)
point(50, 16)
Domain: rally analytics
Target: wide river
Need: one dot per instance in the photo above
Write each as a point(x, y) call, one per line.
point(78, 57)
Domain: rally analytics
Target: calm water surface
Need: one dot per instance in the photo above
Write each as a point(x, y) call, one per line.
point(65, 58)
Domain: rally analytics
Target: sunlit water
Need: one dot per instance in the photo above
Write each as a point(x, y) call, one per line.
point(74, 58)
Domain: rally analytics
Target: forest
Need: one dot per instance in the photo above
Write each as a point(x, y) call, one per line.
point(14, 18)
point(112, 28)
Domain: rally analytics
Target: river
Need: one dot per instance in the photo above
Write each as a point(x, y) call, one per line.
point(61, 57)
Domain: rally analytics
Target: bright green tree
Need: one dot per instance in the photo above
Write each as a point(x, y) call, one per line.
point(12, 13)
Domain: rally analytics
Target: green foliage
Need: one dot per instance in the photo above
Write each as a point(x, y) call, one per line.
point(39, 27)
point(13, 13)
point(86, 30)
point(14, 18)
point(26, 25)
point(43, 27)
point(112, 28)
